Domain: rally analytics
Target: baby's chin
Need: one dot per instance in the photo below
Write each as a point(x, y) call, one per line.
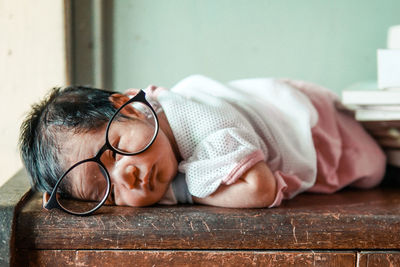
point(146, 203)
point(158, 195)
point(161, 195)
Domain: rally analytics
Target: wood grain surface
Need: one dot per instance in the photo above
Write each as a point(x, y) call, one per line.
point(378, 259)
point(187, 258)
point(350, 219)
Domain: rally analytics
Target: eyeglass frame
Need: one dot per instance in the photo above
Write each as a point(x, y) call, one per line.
point(53, 202)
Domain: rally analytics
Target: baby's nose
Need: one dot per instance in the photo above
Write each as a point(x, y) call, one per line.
point(128, 177)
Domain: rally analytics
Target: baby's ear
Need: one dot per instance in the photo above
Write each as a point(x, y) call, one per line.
point(118, 100)
point(131, 91)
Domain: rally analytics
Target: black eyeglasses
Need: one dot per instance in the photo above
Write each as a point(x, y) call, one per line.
point(135, 111)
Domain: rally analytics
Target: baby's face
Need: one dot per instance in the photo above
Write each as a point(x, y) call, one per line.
point(138, 180)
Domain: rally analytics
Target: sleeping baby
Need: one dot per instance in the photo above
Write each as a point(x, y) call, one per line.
point(249, 143)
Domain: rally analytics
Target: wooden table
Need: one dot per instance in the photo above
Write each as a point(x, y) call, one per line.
point(349, 228)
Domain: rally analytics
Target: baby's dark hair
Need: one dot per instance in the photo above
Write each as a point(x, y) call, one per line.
point(73, 109)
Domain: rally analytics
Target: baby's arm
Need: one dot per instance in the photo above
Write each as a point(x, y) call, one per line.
point(255, 189)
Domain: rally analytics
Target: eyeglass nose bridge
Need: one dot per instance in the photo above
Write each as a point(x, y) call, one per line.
point(103, 149)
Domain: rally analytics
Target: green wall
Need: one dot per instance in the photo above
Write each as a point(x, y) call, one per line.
point(332, 43)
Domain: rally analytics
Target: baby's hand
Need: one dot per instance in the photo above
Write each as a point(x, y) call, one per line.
point(255, 189)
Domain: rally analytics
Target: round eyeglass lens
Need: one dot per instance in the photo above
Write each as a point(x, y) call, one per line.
point(133, 129)
point(83, 188)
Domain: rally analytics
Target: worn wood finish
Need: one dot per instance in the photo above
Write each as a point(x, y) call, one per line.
point(378, 259)
point(12, 196)
point(186, 258)
point(347, 220)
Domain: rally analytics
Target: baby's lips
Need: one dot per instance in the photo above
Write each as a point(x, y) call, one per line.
point(147, 180)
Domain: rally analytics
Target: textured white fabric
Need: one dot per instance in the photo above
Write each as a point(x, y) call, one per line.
point(221, 130)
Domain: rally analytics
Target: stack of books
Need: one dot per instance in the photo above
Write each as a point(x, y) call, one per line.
point(372, 104)
point(377, 104)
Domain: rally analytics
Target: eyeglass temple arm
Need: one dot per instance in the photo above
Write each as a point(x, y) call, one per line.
point(51, 202)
